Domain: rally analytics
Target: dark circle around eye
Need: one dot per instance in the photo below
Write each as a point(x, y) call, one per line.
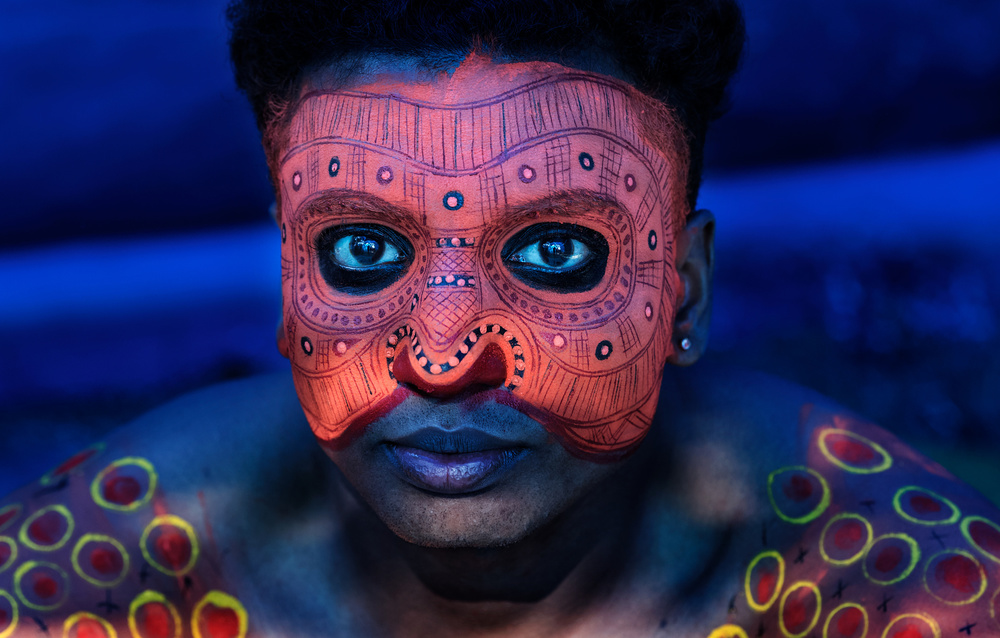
point(586, 161)
point(367, 246)
point(549, 236)
point(334, 167)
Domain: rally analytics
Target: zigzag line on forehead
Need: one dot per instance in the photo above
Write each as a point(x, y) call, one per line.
point(435, 134)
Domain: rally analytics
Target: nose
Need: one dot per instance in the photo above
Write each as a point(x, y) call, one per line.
point(485, 370)
point(443, 353)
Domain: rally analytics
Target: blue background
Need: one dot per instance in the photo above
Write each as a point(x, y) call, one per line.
point(854, 180)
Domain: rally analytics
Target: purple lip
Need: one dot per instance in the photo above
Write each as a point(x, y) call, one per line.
point(459, 441)
point(453, 461)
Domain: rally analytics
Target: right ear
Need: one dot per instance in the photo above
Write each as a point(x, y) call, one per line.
point(282, 338)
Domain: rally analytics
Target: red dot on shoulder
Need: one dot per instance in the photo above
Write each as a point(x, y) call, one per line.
point(959, 572)
point(156, 621)
point(73, 461)
point(89, 628)
point(221, 622)
point(986, 537)
point(106, 561)
point(45, 586)
point(121, 490)
point(794, 614)
point(766, 584)
point(888, 559)
point(850, 451)
point(908, 632)
point(848, 534)
point(798, 488)
point(174, 547)
point(923, 504)
point(47, 528)
point(849, 621)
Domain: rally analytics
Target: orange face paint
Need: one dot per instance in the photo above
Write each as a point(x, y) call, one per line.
point(502, 234)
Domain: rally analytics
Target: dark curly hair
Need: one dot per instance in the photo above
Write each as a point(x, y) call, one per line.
point(681, 52)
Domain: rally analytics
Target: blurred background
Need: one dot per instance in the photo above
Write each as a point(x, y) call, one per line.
point(854, 181)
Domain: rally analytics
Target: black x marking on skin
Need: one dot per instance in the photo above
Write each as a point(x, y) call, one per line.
point(884, 606)
point(41, 625)
point(968, 628)
point(144, 573)
point(732, 604)
point(107, 604)
point(840, 590)
point(760, 629)
point(870, 504)
point(801, 558)
point(938, 538)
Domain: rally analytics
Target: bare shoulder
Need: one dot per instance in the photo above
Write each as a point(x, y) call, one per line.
point(857, 534)
point(133, 535)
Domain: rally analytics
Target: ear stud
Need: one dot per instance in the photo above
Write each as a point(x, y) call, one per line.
point(685, 344)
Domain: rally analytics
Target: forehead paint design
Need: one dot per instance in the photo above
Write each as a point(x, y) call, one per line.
point(458, 181)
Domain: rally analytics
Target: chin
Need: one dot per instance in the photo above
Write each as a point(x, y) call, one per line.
point(467, 522)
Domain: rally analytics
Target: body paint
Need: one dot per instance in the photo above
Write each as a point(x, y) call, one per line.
point(458, 179)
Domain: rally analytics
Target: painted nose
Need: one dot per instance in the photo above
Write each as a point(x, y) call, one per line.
point(483, 368)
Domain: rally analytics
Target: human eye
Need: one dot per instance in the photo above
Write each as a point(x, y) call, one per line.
point(556, 256)
point(360, 259)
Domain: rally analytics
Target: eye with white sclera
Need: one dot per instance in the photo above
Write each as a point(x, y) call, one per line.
point(556, 256)
point(361, 259)
point(363, 251)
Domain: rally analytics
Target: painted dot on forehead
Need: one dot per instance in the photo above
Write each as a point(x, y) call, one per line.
point(297, 180)
point(384, 175)
point(334, 167)
point(453, 200)
point(630, 182)
point(586, 161)
point(652, 240)
point(307, 346)
point(526, 174)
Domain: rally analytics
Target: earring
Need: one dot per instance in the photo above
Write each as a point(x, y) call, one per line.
point(685, 344)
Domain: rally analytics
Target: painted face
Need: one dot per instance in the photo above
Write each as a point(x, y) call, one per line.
point(506, 233)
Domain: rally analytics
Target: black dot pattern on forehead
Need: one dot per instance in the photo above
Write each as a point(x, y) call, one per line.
point(334, 166)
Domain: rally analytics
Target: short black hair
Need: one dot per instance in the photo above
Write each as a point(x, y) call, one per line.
point(680, 52)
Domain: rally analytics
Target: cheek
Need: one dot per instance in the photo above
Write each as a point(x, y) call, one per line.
point(336, 341)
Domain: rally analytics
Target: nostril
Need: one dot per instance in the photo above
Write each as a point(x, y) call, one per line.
point(486, 370)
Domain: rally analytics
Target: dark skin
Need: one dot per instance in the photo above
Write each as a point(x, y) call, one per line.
point(727, 521)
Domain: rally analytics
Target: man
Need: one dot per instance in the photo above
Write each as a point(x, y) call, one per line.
point(490, 251)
